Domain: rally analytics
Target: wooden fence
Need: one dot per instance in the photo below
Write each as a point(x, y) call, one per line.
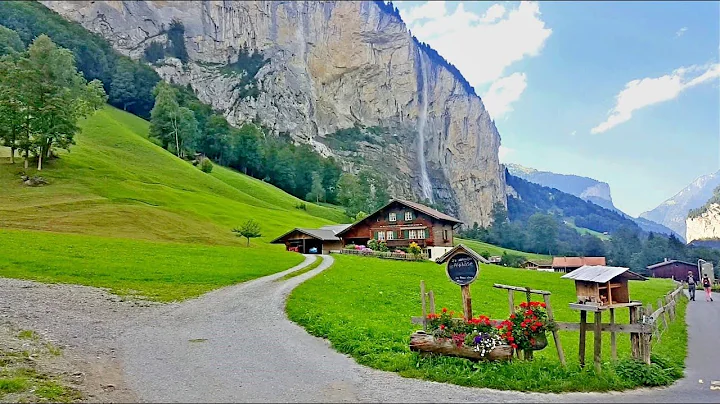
point(645, 324)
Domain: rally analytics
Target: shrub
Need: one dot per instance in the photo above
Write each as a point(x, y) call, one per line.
point(206, 165)
point(414, 249)
point(643, 374)
point(301, 206)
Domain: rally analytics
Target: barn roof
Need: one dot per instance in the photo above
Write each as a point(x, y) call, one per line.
point(576, 262)
point(325, 233)
point(464, 249)
point(601, 274)
point(668, 262)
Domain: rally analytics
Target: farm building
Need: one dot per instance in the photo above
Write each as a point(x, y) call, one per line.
point(400, 223)
point(673, 269)
point(569, 264)
point(538, 265)
point(312, 241)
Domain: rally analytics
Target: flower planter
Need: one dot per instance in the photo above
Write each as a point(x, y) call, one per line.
point(420, 341)
point(540, 342)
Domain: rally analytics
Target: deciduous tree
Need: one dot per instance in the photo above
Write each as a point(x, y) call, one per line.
point(249, 229)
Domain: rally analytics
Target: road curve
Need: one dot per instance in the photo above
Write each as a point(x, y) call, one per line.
point(236, 345)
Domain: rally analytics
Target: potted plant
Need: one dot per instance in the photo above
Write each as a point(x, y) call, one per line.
point(526, 328)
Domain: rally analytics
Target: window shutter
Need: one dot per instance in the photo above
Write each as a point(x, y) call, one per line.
point(406, 234)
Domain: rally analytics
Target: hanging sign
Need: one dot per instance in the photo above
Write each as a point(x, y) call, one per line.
point(462, 269)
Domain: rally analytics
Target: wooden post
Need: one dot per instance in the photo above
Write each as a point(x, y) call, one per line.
point(527, 295)
point(634, 337)
point(597, 352)
point(422, 299)
point(431, 297)
point(511, 301)
point(556, 337)
point(467, 303)
point(647, 337)
point(613, 336)
point(583, 325)
point(664, 316)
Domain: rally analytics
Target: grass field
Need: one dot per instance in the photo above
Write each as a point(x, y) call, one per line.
point(480, 247)
point(365, 310)
point(145, 221)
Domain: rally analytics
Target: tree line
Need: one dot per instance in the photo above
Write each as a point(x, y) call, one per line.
point(545, 233)
point(42, 96)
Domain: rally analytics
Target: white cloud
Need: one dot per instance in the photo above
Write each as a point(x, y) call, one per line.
point(573, 133)
point(503, 92)
point(504, 152)
point(481, 46)
point(681, 31)
point(644, 92)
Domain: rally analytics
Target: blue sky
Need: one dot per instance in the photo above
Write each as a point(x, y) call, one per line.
point(623, 92)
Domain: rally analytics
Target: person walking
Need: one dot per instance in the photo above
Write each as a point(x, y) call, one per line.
point(708, 288)
point(691, 285)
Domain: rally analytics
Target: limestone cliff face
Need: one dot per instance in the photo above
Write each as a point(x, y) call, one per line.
point(706, 226)
point(332, 65)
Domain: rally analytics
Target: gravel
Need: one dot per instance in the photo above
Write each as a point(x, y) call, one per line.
point(236, 344)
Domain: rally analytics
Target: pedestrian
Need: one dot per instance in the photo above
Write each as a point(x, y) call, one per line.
point(691, 285)
point(708, 288)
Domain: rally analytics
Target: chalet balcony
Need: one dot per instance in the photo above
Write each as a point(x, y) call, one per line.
point(405, 242)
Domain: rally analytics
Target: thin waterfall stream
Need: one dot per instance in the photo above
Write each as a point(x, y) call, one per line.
point(424, 178)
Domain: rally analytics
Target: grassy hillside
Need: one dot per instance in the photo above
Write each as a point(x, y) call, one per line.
point(116, 183)
point(480, 247)
point(364, 305)
point(150, 224)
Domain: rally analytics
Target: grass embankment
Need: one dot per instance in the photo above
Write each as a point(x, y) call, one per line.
point(160, 227)
point(364, 307)
point(315, 264)
point(480, 247)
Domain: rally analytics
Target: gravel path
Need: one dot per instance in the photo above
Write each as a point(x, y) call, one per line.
point(236, 345)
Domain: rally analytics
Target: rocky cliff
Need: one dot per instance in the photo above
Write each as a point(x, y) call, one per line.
point(328, 66)
point(705, 226)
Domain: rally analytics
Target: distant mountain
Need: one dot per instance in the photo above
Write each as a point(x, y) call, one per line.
point(674, 211)
point(588, 189)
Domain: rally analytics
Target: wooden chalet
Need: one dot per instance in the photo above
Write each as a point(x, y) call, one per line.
point(312, 241)
point(602, 286)
point(402, 222)
point(538, 265)
point(569, 264)
point(673, 269)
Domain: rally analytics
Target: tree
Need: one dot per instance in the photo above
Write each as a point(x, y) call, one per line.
point(10, 41)
point(170, 123)
point(593, 246)
point(123, 90)
point(317, 192)
point(543, 230)
point(176, 41)
point(249, 229)
point(154, 52)
point(360, 216)
point(13, 104)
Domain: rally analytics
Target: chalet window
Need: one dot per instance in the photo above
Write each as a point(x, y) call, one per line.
point(381, 236)
point(445, 235)
point(408, 216)
point(413, 234)
point(421, 234)
point(392, 217)
point(390, 235)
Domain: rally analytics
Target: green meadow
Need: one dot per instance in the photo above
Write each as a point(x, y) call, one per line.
point(364, 305)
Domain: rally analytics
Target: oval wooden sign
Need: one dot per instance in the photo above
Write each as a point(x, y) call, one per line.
point(462, 269)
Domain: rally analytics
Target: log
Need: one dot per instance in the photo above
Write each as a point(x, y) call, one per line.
point(420, 341)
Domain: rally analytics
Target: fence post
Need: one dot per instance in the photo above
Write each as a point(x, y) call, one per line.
point(422, 298)
point(664, 316)
point(583, 326)
point(613, 336)
point(556, 337)
point(635, 337)
point(597, 352)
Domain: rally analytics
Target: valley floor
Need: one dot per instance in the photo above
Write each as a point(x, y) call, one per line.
point(236, 345)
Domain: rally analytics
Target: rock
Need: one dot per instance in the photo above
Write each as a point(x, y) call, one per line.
point(331, 65)
point(705, 226)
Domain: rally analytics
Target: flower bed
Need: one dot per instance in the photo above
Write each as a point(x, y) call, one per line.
point(483, 339)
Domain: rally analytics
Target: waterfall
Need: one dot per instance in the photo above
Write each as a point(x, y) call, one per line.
point(424, 179)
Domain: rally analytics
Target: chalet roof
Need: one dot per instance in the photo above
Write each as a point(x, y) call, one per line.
point(577, 262)
point(668, 262)
point(325, 233)
point(412, 205)
point(540, 262)
point(601, 274)
point(462, 248)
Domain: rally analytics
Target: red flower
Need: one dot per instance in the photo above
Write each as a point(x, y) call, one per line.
point(514, 346)
point(529, 313)
point(538, 324)
point(511, 338)
point(513, 316)
point(543, 305)
point(523, 304)
point(532, 341)
point(442, 326)
point(533, 328)
point(444, 310)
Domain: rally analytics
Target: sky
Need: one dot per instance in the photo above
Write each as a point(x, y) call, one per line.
point(623, 92)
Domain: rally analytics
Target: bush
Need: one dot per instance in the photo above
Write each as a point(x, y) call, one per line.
point(642, 374)
point(301, 206)
point(206, 165)
point(414, 249)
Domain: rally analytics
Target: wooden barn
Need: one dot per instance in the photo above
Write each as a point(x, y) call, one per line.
point(673, 269)
point(569, 264)
point(538, 265)
point(602, 285)
point(312, 241)
point(400, 223)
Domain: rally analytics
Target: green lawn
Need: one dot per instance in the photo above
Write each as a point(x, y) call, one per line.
point(158, 271)
point(144, 221)
point(480, 247)
point(583, 230)
point(363, 306)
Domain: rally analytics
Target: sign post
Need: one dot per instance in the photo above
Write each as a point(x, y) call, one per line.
point(462, 269)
